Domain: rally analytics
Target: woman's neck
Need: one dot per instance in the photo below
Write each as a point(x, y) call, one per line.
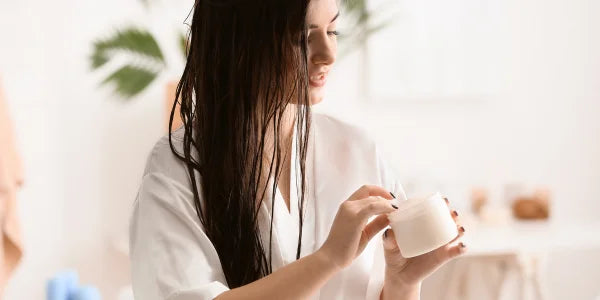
point(286, 134)
point(287, 126)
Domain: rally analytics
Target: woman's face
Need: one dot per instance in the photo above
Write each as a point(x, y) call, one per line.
point(322, 44)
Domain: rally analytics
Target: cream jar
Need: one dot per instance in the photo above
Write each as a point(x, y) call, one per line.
point(422, 225)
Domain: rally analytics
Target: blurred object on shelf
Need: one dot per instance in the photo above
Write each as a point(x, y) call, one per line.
point(170, 94)
point(479, 198)
point(11, 178)
point(528, 202)
point(488, 212)
point(532, 207)
point(494, 215)
point(65, 286)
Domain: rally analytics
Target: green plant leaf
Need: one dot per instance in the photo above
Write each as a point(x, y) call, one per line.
point(137, 41)
point(354, 5)
point(130, 80)
point(99, 58)
point(145, 3)
point(183, 44)
point(146, 60)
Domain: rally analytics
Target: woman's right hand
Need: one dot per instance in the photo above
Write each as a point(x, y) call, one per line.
point(350, 231)
point(347, 238)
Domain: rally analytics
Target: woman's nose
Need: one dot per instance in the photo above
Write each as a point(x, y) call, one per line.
point(323, 50)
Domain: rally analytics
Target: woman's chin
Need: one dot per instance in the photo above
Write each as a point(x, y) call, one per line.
point(316, 95)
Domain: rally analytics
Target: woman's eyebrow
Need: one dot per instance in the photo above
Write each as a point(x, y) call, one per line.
point(313, 26)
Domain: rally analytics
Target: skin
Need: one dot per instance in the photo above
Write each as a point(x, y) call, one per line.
point(351, 230)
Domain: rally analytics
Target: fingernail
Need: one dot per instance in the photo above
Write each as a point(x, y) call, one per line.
point(462, 229)
point(394, 206)
point(462, 245)
point(455, 213)
point(394, 196)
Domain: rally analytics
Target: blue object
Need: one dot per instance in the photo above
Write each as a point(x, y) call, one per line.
point(85, 293)
point(56, 289)
point(62, 285)
point(65, 286)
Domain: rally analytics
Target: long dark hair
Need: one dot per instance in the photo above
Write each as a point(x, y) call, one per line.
point(247, 61)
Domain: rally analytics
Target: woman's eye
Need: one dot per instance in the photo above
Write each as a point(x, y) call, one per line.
point(333, 33)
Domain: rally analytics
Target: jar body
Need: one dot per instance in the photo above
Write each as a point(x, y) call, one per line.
point(422, 225)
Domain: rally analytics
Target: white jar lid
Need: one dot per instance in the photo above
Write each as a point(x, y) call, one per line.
point(413, 206)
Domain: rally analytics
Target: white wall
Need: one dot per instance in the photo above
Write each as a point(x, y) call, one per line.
point(84, 150)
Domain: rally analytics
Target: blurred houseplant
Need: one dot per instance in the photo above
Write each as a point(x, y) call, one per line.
point(145, 60)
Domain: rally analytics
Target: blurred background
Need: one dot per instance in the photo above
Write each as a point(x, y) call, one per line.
point(494, 103)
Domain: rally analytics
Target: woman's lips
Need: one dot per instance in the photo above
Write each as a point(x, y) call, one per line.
point(318, 80)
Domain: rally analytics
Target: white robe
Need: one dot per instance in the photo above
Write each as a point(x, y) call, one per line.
point(172, 258)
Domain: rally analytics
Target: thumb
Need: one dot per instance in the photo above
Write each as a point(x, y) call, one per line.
point(391, 251)
point(389, 241)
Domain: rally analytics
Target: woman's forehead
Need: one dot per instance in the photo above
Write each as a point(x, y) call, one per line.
point(321, 12)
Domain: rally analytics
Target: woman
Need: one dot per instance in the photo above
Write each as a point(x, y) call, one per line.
point(255, 197)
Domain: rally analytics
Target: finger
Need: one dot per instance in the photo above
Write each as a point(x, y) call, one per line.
point(374, 205)
point(389, 241)
point(454, 214)
point(444, 253)
point(370, 190)
point(375, 226)
point(456, 250)
point(447, 201)
point(371, 199)
point(461, 232)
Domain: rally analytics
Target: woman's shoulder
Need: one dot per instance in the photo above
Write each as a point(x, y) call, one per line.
point(342, 133)
point(351, 148)
point(163, 161)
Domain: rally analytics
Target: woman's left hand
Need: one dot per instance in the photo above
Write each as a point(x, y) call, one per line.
point(406, 273)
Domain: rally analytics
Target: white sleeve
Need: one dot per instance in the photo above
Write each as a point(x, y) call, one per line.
point(390, 181)
point(171, 256)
